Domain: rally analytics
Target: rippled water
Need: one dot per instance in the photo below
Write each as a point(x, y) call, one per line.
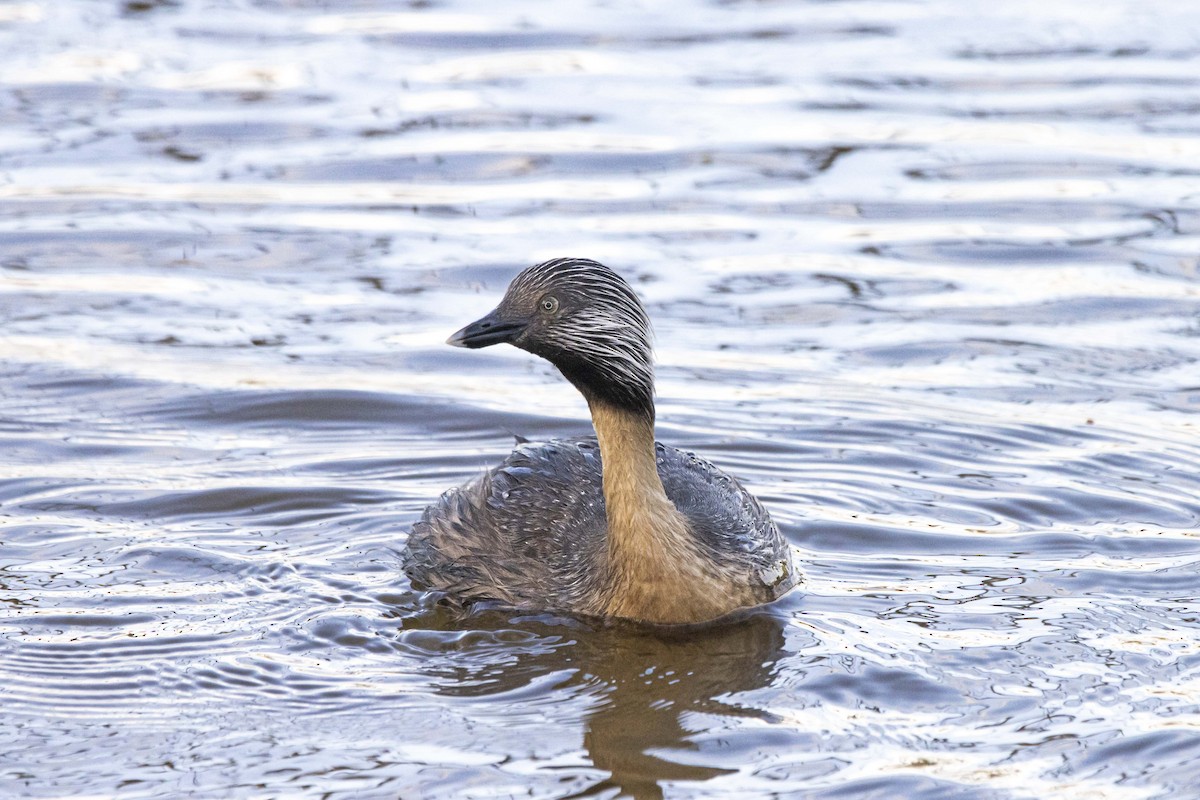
point(926, 275)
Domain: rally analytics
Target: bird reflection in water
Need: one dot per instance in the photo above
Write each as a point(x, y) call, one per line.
point(653, 682)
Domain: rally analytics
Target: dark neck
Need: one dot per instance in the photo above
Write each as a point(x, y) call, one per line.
point(597, 385)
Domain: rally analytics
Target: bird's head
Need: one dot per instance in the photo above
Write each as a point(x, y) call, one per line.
point(585, 319)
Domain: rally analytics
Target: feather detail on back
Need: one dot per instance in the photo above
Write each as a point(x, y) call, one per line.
point(532, 532)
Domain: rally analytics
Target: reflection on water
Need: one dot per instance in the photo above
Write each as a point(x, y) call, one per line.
point(923, 274)
point(649, 692)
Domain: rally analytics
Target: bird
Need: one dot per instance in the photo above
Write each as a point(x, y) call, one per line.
point(615, 526)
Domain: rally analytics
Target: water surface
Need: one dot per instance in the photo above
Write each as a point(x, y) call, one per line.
point(924, 275)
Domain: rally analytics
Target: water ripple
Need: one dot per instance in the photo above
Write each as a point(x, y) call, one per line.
point(927, 282)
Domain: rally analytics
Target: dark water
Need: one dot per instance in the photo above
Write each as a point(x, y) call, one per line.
point(926, 275)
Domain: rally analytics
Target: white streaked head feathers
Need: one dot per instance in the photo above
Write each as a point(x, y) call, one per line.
point(599, 335)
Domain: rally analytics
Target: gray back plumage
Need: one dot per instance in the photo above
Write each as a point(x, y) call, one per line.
point(533, 532)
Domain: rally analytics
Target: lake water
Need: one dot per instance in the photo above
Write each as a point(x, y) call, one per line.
point(925, 275)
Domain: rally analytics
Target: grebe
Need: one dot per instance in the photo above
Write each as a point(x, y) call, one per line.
point(612, 526)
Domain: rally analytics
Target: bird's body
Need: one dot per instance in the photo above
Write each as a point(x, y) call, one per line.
point(532, 532)
point(616, 526)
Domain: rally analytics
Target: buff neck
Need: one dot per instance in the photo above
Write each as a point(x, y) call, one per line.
point(658, 571)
